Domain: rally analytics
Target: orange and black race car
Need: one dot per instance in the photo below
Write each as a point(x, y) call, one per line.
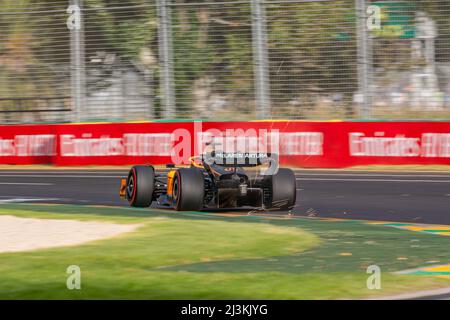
point(220, 181)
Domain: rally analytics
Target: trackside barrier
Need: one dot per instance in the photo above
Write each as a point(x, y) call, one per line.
point(300, 144)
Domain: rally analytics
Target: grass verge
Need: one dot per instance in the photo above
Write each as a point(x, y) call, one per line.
point(205, 256)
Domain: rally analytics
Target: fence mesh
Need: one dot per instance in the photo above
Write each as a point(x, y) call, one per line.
point(34, 61)
point(312, 54)
point(213, 68)
point(112, 60)
point(119, 63)
point(410, 65)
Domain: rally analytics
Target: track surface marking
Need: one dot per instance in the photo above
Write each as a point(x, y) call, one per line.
point(407, 197)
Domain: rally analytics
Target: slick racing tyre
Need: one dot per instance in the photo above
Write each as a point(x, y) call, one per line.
point(284, 189)
point(188, 189)
point(140, 186)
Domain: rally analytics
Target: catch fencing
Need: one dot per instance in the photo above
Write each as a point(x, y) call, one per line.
point(99, 60)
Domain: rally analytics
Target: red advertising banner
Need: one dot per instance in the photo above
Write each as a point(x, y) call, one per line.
point(27, 145)
point(299, 144)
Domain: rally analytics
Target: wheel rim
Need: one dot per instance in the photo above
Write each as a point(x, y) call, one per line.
point(176, 189)
point(131, 184)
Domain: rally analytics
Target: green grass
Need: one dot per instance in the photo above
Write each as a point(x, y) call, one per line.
point(400, 168)
point(202, 256)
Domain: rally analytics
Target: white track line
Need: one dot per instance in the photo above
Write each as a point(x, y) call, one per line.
point(373, 180)
point(62, 172)
point(301, 177)
point(18, 200)
point(27, 183)
point(57, 176)
point(373, 175)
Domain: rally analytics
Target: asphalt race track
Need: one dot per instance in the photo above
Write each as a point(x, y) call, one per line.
point(403, 197)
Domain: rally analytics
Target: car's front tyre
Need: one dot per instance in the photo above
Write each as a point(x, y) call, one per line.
point(140, 186)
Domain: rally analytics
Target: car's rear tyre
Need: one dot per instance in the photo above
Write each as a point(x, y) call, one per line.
point(283, 187)
point(188, 189)
point(140, 186)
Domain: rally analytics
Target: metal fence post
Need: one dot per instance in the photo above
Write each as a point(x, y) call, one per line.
point(77, 62)
point(167, 91)
point(260, 58)
point(364, 58)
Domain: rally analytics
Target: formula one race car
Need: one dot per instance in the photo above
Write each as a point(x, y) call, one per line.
point(220, 181)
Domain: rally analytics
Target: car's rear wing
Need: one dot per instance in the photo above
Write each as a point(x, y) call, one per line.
point(239, 159)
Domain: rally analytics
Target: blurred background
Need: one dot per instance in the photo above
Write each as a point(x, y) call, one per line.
point(132, 60)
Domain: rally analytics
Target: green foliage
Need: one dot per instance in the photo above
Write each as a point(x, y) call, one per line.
point(312, 46)
point(26, 54)
point(125, 30)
